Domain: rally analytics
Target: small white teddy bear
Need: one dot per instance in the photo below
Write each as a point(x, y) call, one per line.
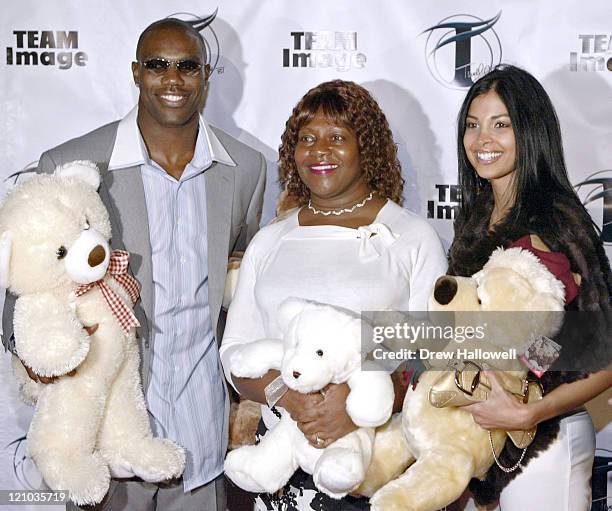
point(55, 256)
point(321, 345)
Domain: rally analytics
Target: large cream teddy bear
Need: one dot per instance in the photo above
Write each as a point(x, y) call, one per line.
point(55, 257)
point(321, 345)
point(429, 454)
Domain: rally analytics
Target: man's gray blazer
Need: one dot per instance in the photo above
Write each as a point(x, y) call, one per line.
point(234, 197)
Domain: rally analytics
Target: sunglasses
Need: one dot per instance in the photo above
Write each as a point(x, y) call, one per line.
point(159, 66)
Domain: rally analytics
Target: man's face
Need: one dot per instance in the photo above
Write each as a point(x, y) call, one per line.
point(169, 97)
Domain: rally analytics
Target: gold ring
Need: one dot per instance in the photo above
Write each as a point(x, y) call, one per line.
point(319, 440)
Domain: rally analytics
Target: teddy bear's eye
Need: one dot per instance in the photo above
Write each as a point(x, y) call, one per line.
point(61, 252)
point(320, 353)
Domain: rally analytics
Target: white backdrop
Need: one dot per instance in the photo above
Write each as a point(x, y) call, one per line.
point(81, 79)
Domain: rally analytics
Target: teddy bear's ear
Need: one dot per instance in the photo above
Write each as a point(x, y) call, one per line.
point(81, 169)
point(6, 242)
point(288, 310)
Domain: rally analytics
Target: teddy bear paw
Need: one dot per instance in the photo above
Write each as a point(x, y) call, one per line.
point(247, 468)
point(338, 471)
point(243, 479)
point(86, 478)
point(121, 470)
point(254, 359)
point(157, 459)
point(392, 500)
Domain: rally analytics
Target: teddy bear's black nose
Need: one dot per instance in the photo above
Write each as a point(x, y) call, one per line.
point(96, 256)
point(445, 290)
point(296, 375)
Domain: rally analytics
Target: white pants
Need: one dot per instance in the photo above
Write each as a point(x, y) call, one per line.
point(559, 479)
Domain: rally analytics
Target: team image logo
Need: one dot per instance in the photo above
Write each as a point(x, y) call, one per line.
point(324, 49)
point(595, 53)
point(461, 48)
point(446, 204)
point(54, 48)
point(211, 41)
point(596, 195)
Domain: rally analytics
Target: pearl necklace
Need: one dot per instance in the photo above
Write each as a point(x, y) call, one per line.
point(338, 212)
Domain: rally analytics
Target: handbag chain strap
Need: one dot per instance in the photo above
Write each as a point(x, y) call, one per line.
point(507, 470)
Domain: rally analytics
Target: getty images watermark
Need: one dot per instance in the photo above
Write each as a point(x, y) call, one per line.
point(571, 340)
point(431, 340)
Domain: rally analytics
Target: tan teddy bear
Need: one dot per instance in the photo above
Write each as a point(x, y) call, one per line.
point(424, 458)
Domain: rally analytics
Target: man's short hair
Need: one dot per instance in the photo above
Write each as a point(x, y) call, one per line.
point(171, 23)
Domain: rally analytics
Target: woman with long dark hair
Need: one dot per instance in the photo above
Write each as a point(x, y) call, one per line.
point(516, 192)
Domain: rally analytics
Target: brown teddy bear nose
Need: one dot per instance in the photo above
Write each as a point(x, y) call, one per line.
point(96, 256)
point(296, 375)
point(446, 289)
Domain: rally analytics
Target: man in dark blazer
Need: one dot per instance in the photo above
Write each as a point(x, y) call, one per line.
point(181, 197)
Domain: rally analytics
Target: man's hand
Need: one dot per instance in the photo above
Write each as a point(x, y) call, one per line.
point(50, 379)
point(328, 420)
point(44, 379)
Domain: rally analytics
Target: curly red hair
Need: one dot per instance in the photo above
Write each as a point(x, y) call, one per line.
point(354, 107)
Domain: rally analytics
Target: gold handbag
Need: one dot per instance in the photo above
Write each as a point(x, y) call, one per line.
point(468, 384)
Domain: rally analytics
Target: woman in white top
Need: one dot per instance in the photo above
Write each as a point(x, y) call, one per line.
point(348, 243)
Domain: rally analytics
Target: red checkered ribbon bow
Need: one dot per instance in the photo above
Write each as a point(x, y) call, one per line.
point(117, 268)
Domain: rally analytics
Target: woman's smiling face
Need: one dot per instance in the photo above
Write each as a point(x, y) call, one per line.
point(489, 140)
point(327, 160)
